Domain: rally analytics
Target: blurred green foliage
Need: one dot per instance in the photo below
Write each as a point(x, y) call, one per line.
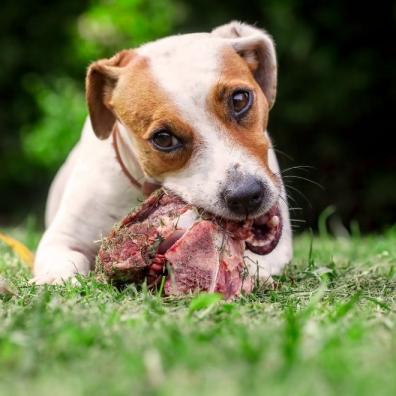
point(98, 32)
point(108, 25)
point(62, 104)
point(336, 87)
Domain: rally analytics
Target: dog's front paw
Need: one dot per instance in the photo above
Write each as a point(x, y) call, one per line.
point(54, 279)
point(55, 271)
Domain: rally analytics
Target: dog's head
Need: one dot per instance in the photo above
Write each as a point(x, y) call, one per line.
point(196, 109)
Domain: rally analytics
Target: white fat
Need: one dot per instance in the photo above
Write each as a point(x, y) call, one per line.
point(185, 220)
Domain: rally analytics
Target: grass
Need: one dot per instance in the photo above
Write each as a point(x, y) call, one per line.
point(329, 329)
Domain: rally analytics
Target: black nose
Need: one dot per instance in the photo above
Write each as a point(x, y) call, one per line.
point(245, 196)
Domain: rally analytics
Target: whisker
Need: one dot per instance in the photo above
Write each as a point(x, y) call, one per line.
point(288, 198)
point(301, 194)
point(306, 179)
point(291, 198)
point(282, 153)
point(283, 199)
point(302, 167)
point(295, 227)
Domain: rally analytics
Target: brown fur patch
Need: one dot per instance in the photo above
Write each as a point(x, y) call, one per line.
point(140, 104)
point(249, 131)
point(101, 78)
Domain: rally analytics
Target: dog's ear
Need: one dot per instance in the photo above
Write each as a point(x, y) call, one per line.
point(256, 47)
point(102, 77)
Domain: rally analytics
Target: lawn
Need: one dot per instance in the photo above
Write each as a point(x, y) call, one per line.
point(328, 329)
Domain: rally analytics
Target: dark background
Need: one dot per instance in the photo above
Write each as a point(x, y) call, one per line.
point(335, 108)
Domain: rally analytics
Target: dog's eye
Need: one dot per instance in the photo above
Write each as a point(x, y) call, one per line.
point(241, 101)
point(164, 140)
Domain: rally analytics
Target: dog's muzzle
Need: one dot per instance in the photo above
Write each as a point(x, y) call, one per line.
point(244, 195)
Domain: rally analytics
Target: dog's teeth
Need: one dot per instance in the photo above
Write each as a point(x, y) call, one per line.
point(273, 221)
point(262, 220)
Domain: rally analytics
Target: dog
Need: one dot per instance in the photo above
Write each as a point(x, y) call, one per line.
point(188, 112)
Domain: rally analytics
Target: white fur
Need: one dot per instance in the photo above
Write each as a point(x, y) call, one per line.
point(91, 193)
point(188, 80)
point(95, 196)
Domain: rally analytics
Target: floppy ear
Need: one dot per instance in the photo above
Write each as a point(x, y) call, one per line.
point(256, 47)
point(102, 77)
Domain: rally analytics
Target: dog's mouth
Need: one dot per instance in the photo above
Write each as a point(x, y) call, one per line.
point(266, 231)
point(261, 234)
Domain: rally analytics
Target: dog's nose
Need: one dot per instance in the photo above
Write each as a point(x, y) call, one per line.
point(245, 196)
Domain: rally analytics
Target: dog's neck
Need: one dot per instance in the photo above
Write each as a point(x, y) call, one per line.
point(129, 164)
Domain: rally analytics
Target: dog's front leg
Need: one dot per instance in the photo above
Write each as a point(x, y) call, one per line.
point(69, 245)
point(96, 195)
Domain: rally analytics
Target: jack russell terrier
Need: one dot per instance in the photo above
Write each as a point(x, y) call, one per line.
point(188, 112)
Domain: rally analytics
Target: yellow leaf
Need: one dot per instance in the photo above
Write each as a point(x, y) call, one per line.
point(19, 249)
